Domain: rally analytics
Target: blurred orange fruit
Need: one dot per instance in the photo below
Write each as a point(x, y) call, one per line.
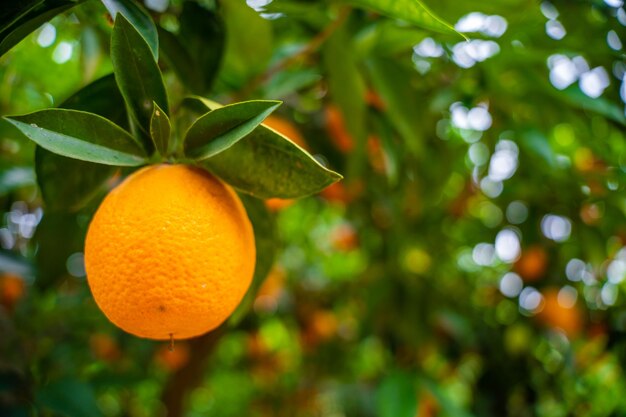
point(560, 311)
point(277, 204)
point(172, 359)
point(344, 238)
point(12, 289)
point(373, 99)
point(532, 264)
point(170, 253)
point(104, 347)
point(342, 192)
point(285, 128)
point(337, 130)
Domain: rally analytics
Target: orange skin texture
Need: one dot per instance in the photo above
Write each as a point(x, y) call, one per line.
point(554, 315)
point(533, 263)
point(170, 253)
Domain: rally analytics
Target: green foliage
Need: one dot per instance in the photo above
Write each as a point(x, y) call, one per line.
point(160, 129)
point(398, 291)
point(136, 73)
point(139, 19)
point(19, 19)
point(225, 126)
point(80, 135)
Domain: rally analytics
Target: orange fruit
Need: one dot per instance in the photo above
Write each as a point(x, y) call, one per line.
point(532, 264)
point(344, 238)
point(12, 288)
point(560, 313)
point(104, 347)
point(174, 359)
point(337, 129)
point(170, 253)
point(277, 204)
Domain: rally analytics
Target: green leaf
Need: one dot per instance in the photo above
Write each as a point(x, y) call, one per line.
point(397, 396)
point(249, 45)
point(160, 129)
point(70, 398)
point(265, 236)
point(80, 135)
point(101, 97)
point(265, 163)
point(137, 74)
point(221, 128)
point(414, 12)
point(69, 184)
point(203, 33)
point(139, 18)
point(19, 18)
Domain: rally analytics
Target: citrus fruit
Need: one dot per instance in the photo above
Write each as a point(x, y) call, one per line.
point(12, 289)
point(169, 253)
point(560, 311)
point(532, 264)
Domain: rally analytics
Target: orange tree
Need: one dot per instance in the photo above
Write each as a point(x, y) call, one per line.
point(471, 262)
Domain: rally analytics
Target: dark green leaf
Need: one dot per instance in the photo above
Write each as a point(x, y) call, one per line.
point(204, 33)
point(69, 184)
point(101, 97)
point(69, 397)
point(58, 236)
point(411, 11)
point(397, 396)
point(179, 59)
point(20, 18)
point(264, 225)
point(80, 135)
point(288, 171)
point(221, 128)
point(137, 74)
point(160, 130)
point(265, 164)
point(139, 18)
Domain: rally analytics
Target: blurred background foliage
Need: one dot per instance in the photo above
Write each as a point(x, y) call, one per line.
point(471, 263)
